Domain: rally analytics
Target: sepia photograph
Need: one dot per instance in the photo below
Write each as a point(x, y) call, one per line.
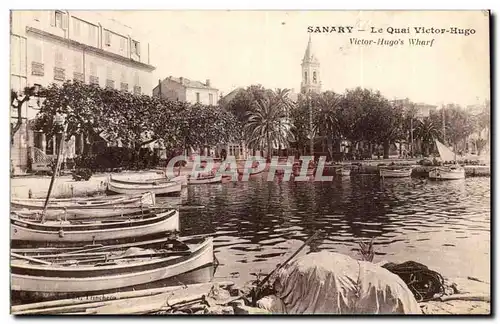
point(250, 162)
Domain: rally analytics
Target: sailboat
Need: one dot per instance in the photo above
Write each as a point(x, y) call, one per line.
point(452, 172)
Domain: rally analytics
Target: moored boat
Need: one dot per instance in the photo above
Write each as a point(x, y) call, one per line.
point(137, 200)
point(33, 231)
point(395, 172)
point(108, 269)
point(159, 189)
point(180, 179)
point(204, 179)
point(447, 173)
point(85, 214)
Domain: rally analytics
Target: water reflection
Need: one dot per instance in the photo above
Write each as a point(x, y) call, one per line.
point(445, 225)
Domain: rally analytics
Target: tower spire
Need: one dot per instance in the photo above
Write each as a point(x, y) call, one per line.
point(308, 54)
point(310, 70)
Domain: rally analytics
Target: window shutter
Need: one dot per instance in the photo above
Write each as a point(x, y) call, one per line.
point(107, 37)
point(52, 18)
point(64, 21)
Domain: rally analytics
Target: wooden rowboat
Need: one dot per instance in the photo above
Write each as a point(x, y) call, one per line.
point(86, 214)
point(395, 172)
point(159, 189)
point(447, 173)
point(205, 179)
point(108, 270)
point(137, 200)
point(91, 231)
point(180, 179)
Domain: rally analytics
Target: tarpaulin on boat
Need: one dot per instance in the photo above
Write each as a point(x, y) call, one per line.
point(333, 283)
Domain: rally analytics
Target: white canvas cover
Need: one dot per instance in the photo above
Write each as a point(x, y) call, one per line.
point(333, 283)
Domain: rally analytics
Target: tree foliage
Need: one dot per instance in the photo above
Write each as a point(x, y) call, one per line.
point(132, 120)
point(17, 101)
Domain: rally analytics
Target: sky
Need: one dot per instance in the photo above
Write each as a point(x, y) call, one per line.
point(239, 48)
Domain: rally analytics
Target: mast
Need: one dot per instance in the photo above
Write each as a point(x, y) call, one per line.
point(59, 143)
point(444, 126)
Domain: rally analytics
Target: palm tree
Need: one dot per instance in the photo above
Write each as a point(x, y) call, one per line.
point(267, 125)
point(426, 131)
point(327, 120)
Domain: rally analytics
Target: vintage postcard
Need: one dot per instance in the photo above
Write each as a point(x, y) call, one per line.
point(250, 162)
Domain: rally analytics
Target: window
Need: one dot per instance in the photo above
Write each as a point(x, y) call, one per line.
point(92, 34)
point(305, 77)
point(109, 73)
point(93, 69)
point(314, 77)
point(59, 74)
point(77, 63)
point(76, 27)
point(58, 19)
point(58, 59)
point(77, 69)
point(211, 99)
point(107, 38)
point(37, 69)
point(78, 76)
point(137, 90)
point(123, 42)
point(136, 48)
point(110, 84)
point(197, 97)
point(124, 86)
point(36, 50)
point(123, 76)
point(94, 80)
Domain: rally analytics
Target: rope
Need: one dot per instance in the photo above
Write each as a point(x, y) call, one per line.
point(423, 282)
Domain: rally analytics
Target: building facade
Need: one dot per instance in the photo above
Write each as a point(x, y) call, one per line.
point(186, 90)
point(54, 46)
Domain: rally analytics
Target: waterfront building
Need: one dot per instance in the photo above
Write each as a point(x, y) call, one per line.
point(186, 90)
point(53, 46)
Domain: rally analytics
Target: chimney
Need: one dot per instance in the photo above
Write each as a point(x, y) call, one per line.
point(181, 80)
point(208, 83)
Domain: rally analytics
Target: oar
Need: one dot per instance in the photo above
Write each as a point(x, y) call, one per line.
point(142, 255)
point(19, 256)
point(126, 245)
point(255, 290)
point(287, 260)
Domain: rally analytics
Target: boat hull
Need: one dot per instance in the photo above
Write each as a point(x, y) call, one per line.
point(162, 189)
point(139, 199)
point(447, 174)
point(179, 179)
point(24, 231)
point(64, 284)
point(215, 179)
point(388, 173)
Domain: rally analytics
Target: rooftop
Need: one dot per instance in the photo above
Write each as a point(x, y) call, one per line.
point(191, 83)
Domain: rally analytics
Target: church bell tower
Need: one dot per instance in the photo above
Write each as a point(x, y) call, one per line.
point(311, 81)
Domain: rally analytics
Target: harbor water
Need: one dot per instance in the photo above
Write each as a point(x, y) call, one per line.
point(258, 224)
